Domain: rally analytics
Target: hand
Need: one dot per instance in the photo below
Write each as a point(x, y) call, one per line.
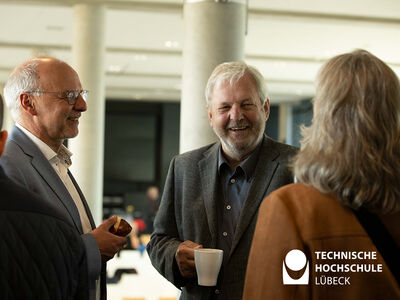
point(185, 258)
point(108, 243)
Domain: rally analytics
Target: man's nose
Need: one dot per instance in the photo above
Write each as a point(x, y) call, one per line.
point(80, 104)
point(236, 113)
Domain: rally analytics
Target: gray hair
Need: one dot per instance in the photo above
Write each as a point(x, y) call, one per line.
point(23, 78)
point(232, 72)
point(352, 148)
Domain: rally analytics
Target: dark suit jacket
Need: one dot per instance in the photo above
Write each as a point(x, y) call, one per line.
point(41, 254)
point(24, 163)
point(188, 211)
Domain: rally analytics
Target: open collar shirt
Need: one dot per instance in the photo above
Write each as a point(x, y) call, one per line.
point(61, 161)
point(234, 186)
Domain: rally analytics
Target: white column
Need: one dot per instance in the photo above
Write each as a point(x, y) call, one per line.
point(282, 122)
point(289, 124)
point(214, 33)
point(8, 121)
point(88, 52)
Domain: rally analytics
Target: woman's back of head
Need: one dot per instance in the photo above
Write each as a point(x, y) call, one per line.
point(352, 148)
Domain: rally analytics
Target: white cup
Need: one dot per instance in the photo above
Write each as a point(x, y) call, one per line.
point(208, 262)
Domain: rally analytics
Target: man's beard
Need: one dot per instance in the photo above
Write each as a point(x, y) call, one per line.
point(240, 151)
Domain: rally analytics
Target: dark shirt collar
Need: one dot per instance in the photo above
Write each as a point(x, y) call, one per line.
point(248, 165)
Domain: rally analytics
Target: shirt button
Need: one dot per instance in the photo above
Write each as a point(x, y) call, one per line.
point(233, 180)
point(225, 233)
point(217, 292)
point(228, 207)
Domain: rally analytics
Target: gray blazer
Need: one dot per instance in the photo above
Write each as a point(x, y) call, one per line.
point(188, 211)
point(25, 164)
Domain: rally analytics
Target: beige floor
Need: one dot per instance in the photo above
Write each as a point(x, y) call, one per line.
point(148, 284)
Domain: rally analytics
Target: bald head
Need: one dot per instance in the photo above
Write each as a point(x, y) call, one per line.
point(56, 75)
point(37, 93)
point(29, 76)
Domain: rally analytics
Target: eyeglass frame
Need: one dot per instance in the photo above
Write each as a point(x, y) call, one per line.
point(63, 95)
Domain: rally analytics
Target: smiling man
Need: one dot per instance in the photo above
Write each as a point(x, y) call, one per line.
point(212, 194)
point(46, 100)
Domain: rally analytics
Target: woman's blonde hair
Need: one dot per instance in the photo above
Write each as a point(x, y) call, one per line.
point(352, 148)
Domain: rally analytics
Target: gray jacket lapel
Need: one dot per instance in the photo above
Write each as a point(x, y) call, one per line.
point(263, 174)
point(46, 171)
point(209, 188)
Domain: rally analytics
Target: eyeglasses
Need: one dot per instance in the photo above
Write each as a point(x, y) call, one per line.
point(70, 96)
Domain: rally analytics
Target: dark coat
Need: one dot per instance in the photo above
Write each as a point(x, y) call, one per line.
point(24, 163)
point(41, 255)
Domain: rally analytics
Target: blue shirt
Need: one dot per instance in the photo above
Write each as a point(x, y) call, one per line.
point(234, 186)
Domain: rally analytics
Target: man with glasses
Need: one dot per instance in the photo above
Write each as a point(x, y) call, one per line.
point(35, 235)
point(46, 100)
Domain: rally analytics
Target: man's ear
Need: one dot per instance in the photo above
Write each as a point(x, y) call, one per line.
point(266, 108)
point(3, 139)
point(209, 113)
point(27, 104)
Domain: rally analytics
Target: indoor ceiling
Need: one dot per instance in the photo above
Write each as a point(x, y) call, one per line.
point(287, 40)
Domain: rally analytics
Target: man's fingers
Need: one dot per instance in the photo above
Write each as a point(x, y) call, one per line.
point(124, 242)
point(191, 264)
point(184, 253)
point(191, 244)
point(187, 269)
point(110, 221)
point(185, 258)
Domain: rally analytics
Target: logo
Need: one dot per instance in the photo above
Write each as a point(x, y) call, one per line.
point(296, 262)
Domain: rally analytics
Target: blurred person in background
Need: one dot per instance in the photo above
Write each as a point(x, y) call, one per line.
point(151, 207)
point(347, 198)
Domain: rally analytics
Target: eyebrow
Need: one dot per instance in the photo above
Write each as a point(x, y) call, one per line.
point(230, 103)
point(225, 103)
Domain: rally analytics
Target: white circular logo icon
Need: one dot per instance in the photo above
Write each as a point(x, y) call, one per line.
point(295, 260)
